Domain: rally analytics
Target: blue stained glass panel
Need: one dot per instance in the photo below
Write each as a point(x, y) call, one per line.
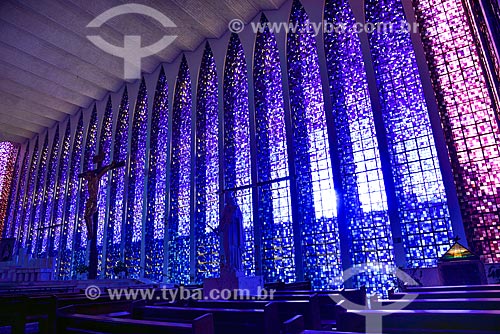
point(117, 188)
point(20, 197)
point(135, 198)
point(207, 169)
point(41, 248)
point(9, 225)
point(237, 171)
point(423, 210)
point(275, 213)
point(36, 207)
point(60, 198)
point(316, 195)
point(71, 204)
point(105, 138)
point(360, 167)
point(88, 154)
point(28, 200)
point(157, 183)
point(180, 186)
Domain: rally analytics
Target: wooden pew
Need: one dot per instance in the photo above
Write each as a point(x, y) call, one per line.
point(239, 321)
point(452, 288)
point(305, 285)
point(446, 304)
point(16, 311)
point(424, 321)
point(286, 308)
point(84, 323)
point(295, 325)
point(12, 314)
point(101, 307)
point(448, 294)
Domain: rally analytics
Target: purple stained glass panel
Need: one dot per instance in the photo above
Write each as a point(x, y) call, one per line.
point(117, 188)
point(237, 173)
point(157, 183)
point(207, 169)
point(469, 116)
point(180, 185)
point(135, 189)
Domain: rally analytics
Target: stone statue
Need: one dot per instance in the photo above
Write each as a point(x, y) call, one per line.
point(93, 177)
point(232, 235)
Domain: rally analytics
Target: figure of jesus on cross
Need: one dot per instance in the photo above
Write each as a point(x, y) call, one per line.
point(93, 177)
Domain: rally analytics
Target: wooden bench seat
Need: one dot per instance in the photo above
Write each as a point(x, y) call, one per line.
point(424, 321)
point(448, 304)
point(453, 288)
point(84, 323)
point(239, 321)
point(449, 294)
point(286, 308)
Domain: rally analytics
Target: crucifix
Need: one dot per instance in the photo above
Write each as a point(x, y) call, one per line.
point(93, 177)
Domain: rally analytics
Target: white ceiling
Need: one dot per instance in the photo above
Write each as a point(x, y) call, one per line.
point(49, 69)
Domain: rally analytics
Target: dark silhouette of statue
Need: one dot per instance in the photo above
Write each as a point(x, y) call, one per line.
point(232, 235)
point(93, 177)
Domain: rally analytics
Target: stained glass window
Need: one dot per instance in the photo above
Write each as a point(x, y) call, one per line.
point(180, 175)
point(157, 183)
point(17, 220)
point(71, 204)
point(60, 197)
point(275, 213)
point(237, 173)
point(364, 195)
point(316, 199)
point(470, 119)
point(27, 210)
point(40, 248)
point(117, 188)
point(421, 197)
point(105, 138)
point(8, 180)
point(36, 208)
point(88, 154)
point(136, 176)
point(207, 169)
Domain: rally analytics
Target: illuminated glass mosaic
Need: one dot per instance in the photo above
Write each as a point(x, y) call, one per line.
point(420, 193)
point(117, 188)
point(40, 249)
point(275, 212)
point(316, 198)
point(468, 116)
point(207, 169)
point(60, 197)
point(28, 199)
point(36, 207)
point(157, 183)
point(364, 195)
point(8, 180)
point(180, 186)
point(237, 173)
point(80, 247)
point(71, 204)
point(20, 198)
point(105, 138)
point(135, 189)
